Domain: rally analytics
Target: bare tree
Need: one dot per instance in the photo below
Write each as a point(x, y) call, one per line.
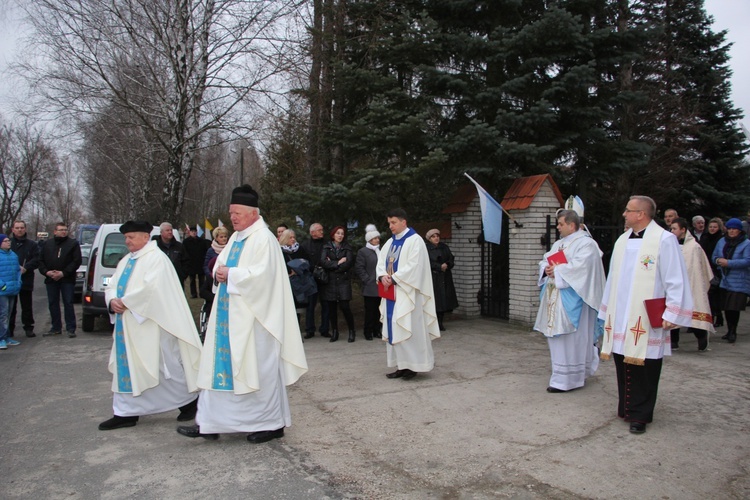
point(66, 200)
point(27, 163)
point(178, 68)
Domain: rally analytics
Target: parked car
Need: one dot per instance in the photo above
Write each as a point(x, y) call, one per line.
point(81, 272)
point(106, 251)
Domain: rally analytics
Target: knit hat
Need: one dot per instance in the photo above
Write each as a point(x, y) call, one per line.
point(431, 232)
point(734, 223)
point(371, 233)
point(3, 237)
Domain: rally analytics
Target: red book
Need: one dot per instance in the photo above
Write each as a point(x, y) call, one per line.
point(557, 258)
point(389, 294)
point(655, 309)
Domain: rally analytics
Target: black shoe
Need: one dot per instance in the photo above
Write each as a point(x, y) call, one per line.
point(334, 336)
point(51, 333)
point(368, 335)
point(637, 427)
point(325, 334)
point(409, 374)
point(263, 436)
point(118, 423)
point(718, 321)
point(188, 411)
point(71, 335)
point(396, 374)
point(377, 335)
point(675, 347)
point(725, 336)
point(351, 336)
point(732, 337)
point(554, 390)
point(309, 335)
point(193, 431)
point(30, 333)
point(193, 296)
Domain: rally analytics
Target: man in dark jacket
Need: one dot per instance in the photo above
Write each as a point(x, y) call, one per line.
point(173, 248)
point(195, 249)
point(314, 248)
point(59, 260)
point(28, 257)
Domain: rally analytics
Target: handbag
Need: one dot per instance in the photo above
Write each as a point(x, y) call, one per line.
point(320, 275)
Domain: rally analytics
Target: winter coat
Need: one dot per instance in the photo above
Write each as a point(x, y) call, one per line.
point(10, 273)
point(28, 256)
point(302, 281)
point(364, 268)
point(442, 282)
point(314, 249)
point(60, 254)
point(195, 251)
point(736, 276)
point(339, 285)
point(176, 254)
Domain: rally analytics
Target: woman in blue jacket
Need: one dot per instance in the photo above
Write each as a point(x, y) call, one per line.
point(732, 257)
point(10, 285)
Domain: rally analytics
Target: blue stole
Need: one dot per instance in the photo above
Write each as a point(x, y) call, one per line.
point(124, 383)
point(394, 253)
point(571, 302)
point(223, 379)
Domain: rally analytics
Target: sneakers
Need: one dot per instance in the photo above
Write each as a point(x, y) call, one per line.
point(12, 342)
point(3, 344)
point(72, 335)
point(51, 333)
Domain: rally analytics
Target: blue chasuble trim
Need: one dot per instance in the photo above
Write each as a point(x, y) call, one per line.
point(124, 382)
point(223, 376)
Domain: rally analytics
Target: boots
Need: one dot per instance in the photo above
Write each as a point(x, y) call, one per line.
point(368, 334)
point(732, 335)
point(376, 332)
point(351, 336)
point(334, 336)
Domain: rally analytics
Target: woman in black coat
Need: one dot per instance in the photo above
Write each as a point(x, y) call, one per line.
point(337, 258)
point(441, 263)
point(708, 242)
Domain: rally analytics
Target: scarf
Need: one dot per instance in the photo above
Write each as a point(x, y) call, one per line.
point(731, 245)
point(217, 247)
point(290, 248)
point(374, 248)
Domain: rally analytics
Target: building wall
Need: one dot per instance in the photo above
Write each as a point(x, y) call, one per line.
point(526, 251)
point(467, 271)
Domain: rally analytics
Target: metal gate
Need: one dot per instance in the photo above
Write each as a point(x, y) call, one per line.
point(494, 293)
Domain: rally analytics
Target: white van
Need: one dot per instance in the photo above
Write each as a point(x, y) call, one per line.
point(106, 251)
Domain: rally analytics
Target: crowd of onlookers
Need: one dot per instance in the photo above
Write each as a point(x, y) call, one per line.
point(727, 249)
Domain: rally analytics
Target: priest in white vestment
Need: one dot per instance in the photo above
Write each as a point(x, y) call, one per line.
point(646, 264)
point(568, 304)
point(409, 321)
point(156, 349)
point(700, 274)
point(253, 347)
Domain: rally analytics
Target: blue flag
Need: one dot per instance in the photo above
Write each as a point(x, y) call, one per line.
point(492, 214)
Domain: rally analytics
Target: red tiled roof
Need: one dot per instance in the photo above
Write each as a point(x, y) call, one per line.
point(523, 190)
point(461, 199)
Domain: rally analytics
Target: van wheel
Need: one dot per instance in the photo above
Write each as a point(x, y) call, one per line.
point(87, 323)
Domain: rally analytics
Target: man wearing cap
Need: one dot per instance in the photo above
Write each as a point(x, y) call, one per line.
point(646, 264)
point(253, 347)
point(156, 349)
point(409, 319)
point(568, 304)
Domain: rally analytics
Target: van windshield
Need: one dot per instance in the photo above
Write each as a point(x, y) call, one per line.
point(114, 249)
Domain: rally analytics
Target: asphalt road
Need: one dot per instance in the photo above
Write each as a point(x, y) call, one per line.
point(480, 425)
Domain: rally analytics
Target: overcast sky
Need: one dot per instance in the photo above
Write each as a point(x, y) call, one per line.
point(730, 15)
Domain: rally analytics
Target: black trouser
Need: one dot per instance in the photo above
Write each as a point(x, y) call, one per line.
point(699, 334)
point(193, 288)
point(636, 388)
point(333, 314)
point(372, 315)
point(713, 302)
point(27, 312)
